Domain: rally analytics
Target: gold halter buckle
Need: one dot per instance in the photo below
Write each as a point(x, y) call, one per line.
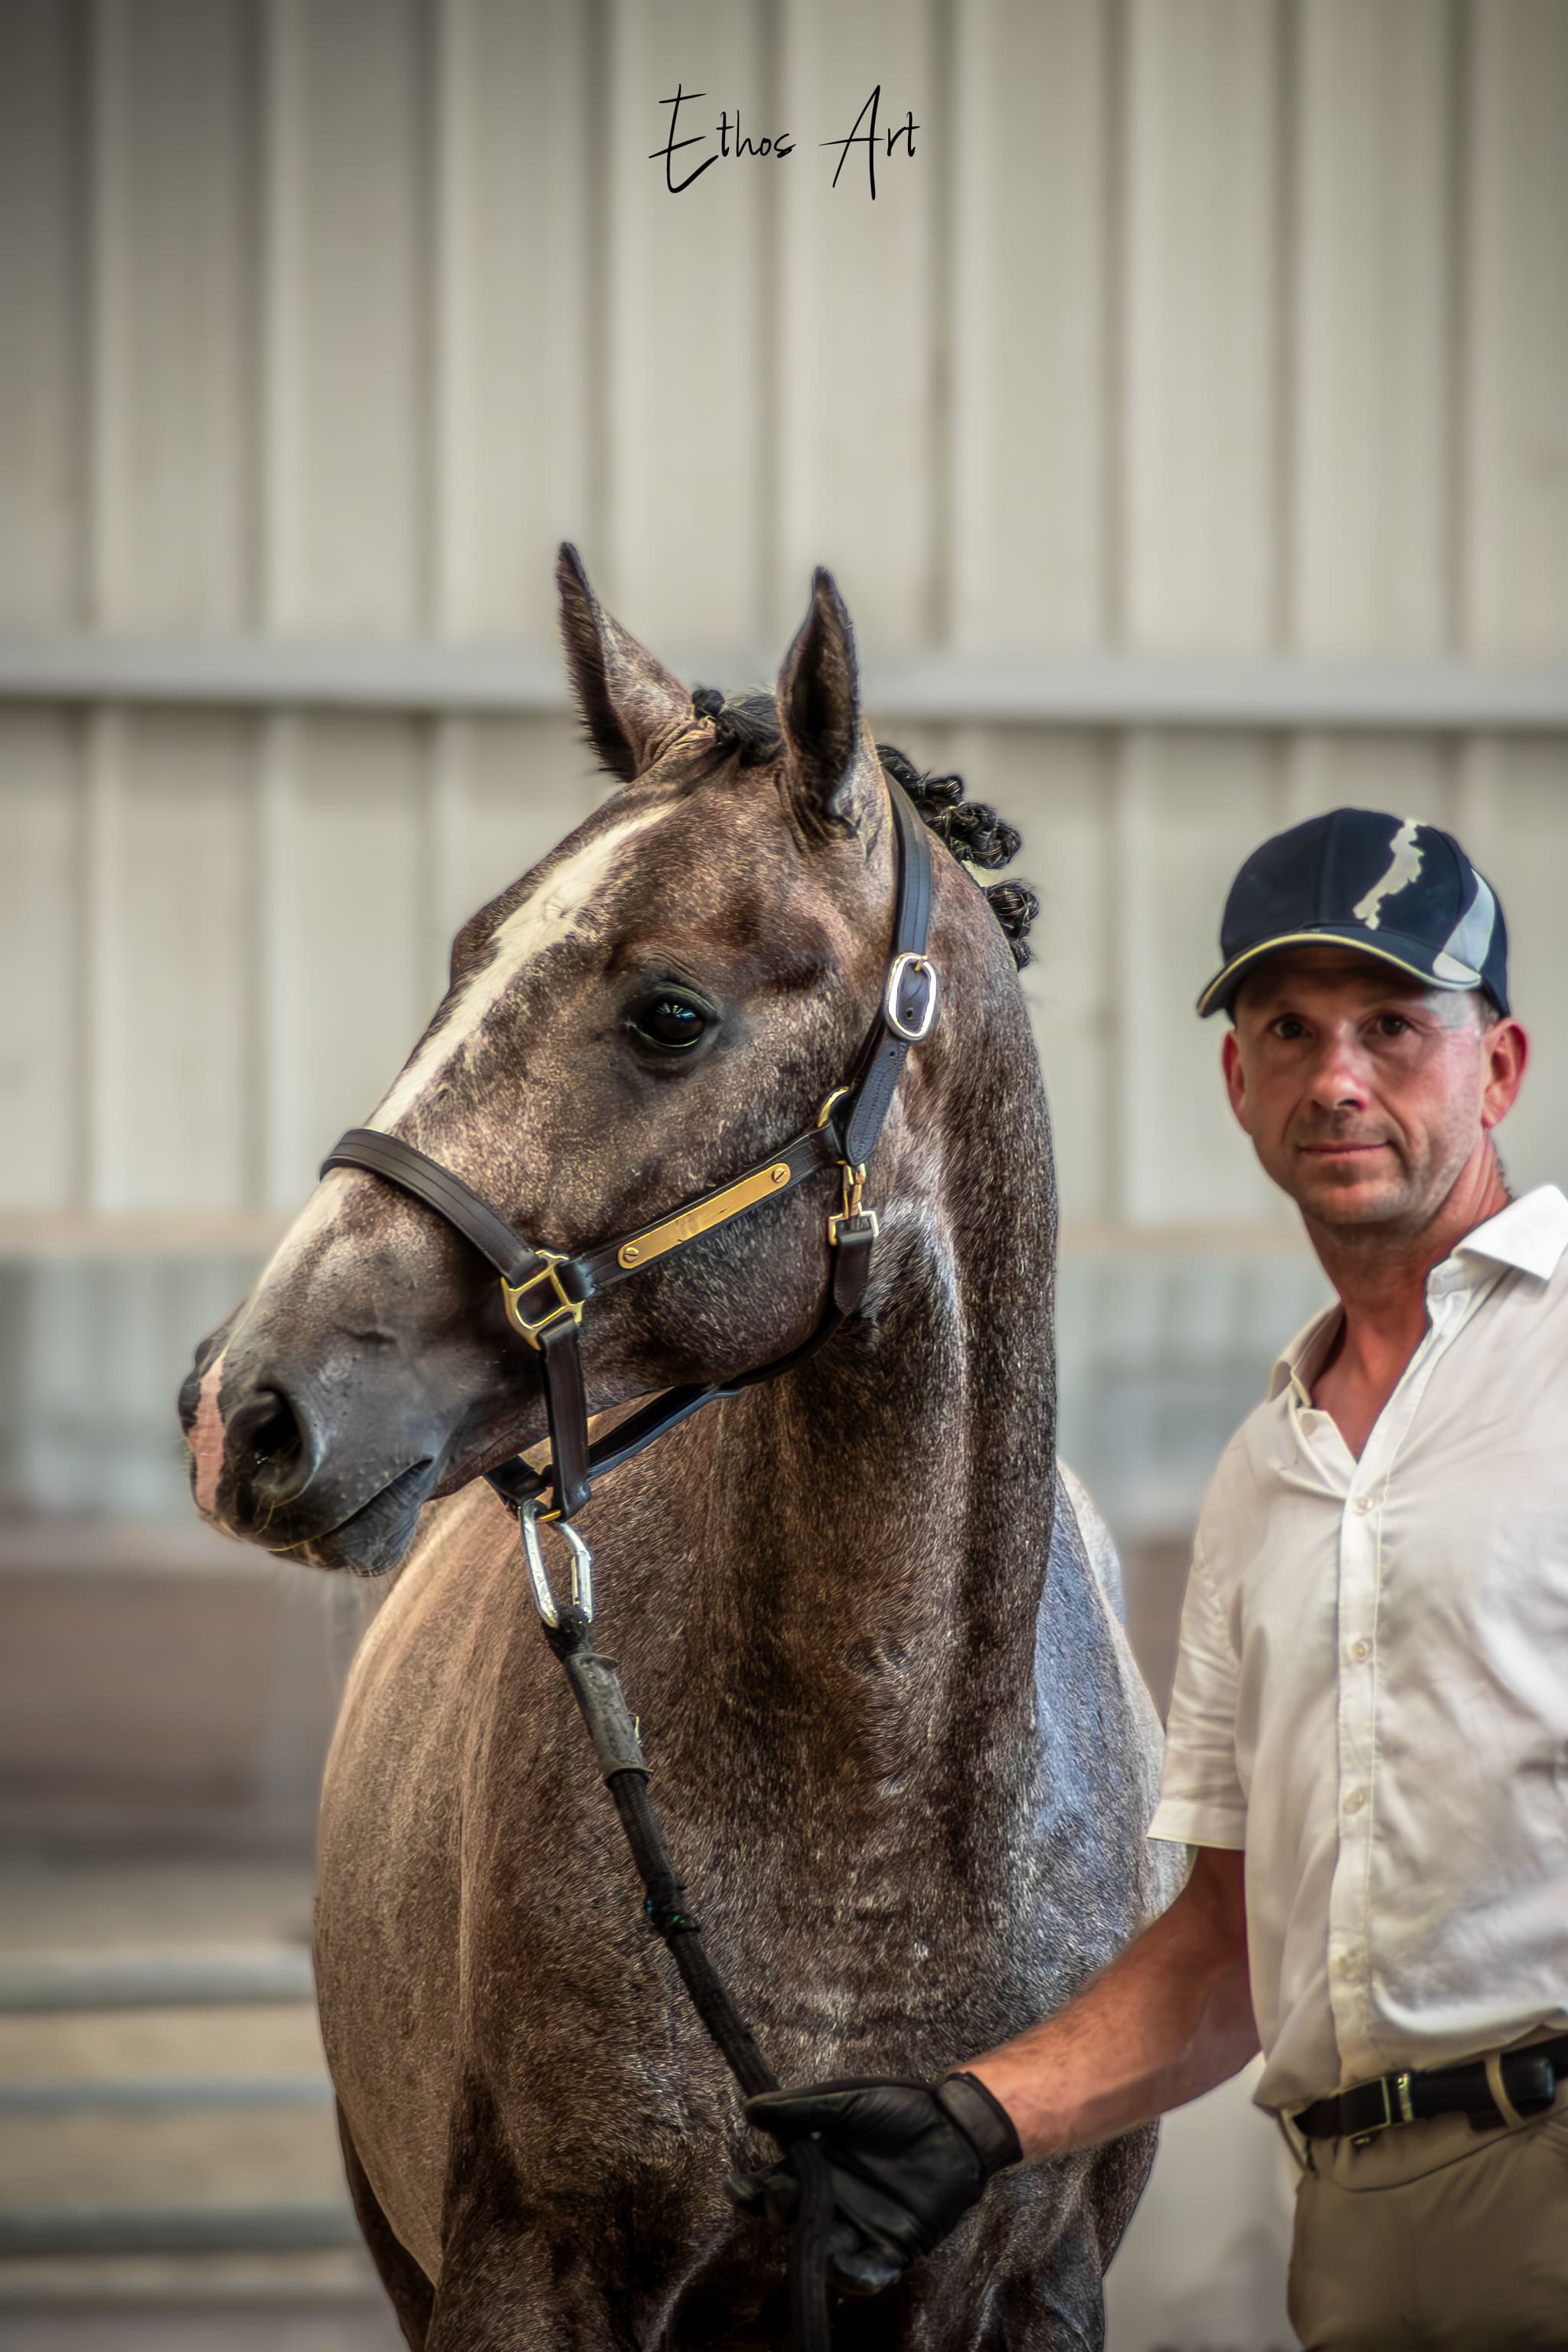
point(511, 1293)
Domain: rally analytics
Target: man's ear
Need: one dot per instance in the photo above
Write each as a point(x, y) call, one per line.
point(632, 706)
point(1508, 1050)
point(833, 772)
point(1234, 1078)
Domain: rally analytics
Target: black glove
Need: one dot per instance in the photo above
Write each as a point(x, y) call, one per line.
point(907, 2160)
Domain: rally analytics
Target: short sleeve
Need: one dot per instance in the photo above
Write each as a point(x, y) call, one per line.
point(1201, 1799)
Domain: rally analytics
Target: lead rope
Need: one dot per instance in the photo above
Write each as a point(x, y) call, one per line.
point(595, 1685)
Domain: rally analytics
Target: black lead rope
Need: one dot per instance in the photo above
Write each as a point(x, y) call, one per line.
point(595, 1685)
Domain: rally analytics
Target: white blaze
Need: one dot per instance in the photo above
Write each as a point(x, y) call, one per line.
point(549, 913)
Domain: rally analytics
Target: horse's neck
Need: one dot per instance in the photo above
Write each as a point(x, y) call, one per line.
point(878, 1522)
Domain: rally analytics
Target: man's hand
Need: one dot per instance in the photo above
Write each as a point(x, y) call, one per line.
point(906, 2162)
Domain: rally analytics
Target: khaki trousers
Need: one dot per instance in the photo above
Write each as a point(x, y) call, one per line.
point(1434, 2238)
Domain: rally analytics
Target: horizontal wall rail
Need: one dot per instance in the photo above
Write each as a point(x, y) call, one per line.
point(174, 1979)
point(143, 2093)
point(175, 2229)
point(1092, 690)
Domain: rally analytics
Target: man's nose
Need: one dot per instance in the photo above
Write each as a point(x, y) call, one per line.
point(1339, 1077)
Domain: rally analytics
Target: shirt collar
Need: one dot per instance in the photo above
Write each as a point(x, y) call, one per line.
point(1295, 1367)
point(1530, 1234)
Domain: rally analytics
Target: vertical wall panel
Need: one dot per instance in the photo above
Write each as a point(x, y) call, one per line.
point(1406, 775)
point(347, 976)
point(1516, 464)
point(175, 300)
point(173, 1079)
point(688, 282)
point(1191, 809)
point(40, 959)
point(42, 359)
point(857, 460)
point(1370, 487)
point(274, 1023)
point(516, 164)
point(347, 325)
point(1513, 818)
point(1057, 789)
point(1201, 326)
point(1028, 357)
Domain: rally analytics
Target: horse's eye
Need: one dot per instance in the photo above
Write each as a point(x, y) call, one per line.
point(670, 1021)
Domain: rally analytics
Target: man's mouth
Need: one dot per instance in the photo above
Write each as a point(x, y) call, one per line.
point(1340, 1150)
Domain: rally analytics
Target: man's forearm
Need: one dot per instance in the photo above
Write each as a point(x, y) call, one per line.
point(1168, 2020)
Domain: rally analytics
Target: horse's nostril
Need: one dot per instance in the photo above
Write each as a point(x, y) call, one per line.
point(275, 1444)
point(277, 1438)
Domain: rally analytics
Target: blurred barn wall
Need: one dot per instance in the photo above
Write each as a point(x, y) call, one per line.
point(1187, 423)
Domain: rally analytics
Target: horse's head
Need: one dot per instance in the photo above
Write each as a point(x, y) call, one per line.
point(671, 992)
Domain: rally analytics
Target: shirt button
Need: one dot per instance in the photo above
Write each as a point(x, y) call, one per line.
point(1361, 1503)
point(1361, 1651)
point(1355, 1801)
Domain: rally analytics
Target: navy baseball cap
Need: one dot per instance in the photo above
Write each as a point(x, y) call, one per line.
point(1387, 886)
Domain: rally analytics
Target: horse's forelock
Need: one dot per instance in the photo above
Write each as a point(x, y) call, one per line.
point(747, 727)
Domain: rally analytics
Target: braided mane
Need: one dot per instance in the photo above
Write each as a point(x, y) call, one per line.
point(747, 726)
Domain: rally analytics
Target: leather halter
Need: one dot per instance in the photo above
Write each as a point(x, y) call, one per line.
point(544, 1291)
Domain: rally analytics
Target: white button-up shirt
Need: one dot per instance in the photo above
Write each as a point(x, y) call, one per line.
point(1372, 1693)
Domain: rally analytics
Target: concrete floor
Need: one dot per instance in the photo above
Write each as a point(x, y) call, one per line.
point(1201, 2266)
point(218, 2152)
point(164, 1700)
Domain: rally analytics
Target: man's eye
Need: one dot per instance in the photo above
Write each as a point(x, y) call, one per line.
point(1288, 1026)
point(672, 1022)
point(1392, 1024)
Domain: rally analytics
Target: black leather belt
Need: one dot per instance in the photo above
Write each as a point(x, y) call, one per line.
point(1530, 2079)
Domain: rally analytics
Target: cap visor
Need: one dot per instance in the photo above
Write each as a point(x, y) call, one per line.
point(1413, 956)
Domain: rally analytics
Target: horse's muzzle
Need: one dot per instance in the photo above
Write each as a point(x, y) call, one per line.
point(313, 1468)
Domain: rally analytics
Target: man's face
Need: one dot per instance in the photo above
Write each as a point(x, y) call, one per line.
point(1365, 1094)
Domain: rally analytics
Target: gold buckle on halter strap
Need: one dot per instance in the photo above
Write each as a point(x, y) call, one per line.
point(511, 1293)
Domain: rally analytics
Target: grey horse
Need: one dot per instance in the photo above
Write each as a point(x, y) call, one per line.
point(902, 1753)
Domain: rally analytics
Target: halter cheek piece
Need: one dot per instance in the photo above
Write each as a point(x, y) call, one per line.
point(545, 1291)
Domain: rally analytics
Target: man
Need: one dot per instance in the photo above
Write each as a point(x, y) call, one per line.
point(1368, 1741)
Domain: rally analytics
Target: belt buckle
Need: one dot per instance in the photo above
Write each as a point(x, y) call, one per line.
point(1405, 2114)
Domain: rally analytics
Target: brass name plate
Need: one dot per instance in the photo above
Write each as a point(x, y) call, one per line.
point(659, 1239)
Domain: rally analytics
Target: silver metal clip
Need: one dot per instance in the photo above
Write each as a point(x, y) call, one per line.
point(539, 1575)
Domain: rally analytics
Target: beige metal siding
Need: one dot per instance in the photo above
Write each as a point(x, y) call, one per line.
point(1202, 328)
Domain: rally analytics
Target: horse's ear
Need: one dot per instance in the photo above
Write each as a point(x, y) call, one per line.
point(632, 706)
point(833, 771)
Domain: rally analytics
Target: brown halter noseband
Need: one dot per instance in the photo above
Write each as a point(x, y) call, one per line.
point(545, 1291)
